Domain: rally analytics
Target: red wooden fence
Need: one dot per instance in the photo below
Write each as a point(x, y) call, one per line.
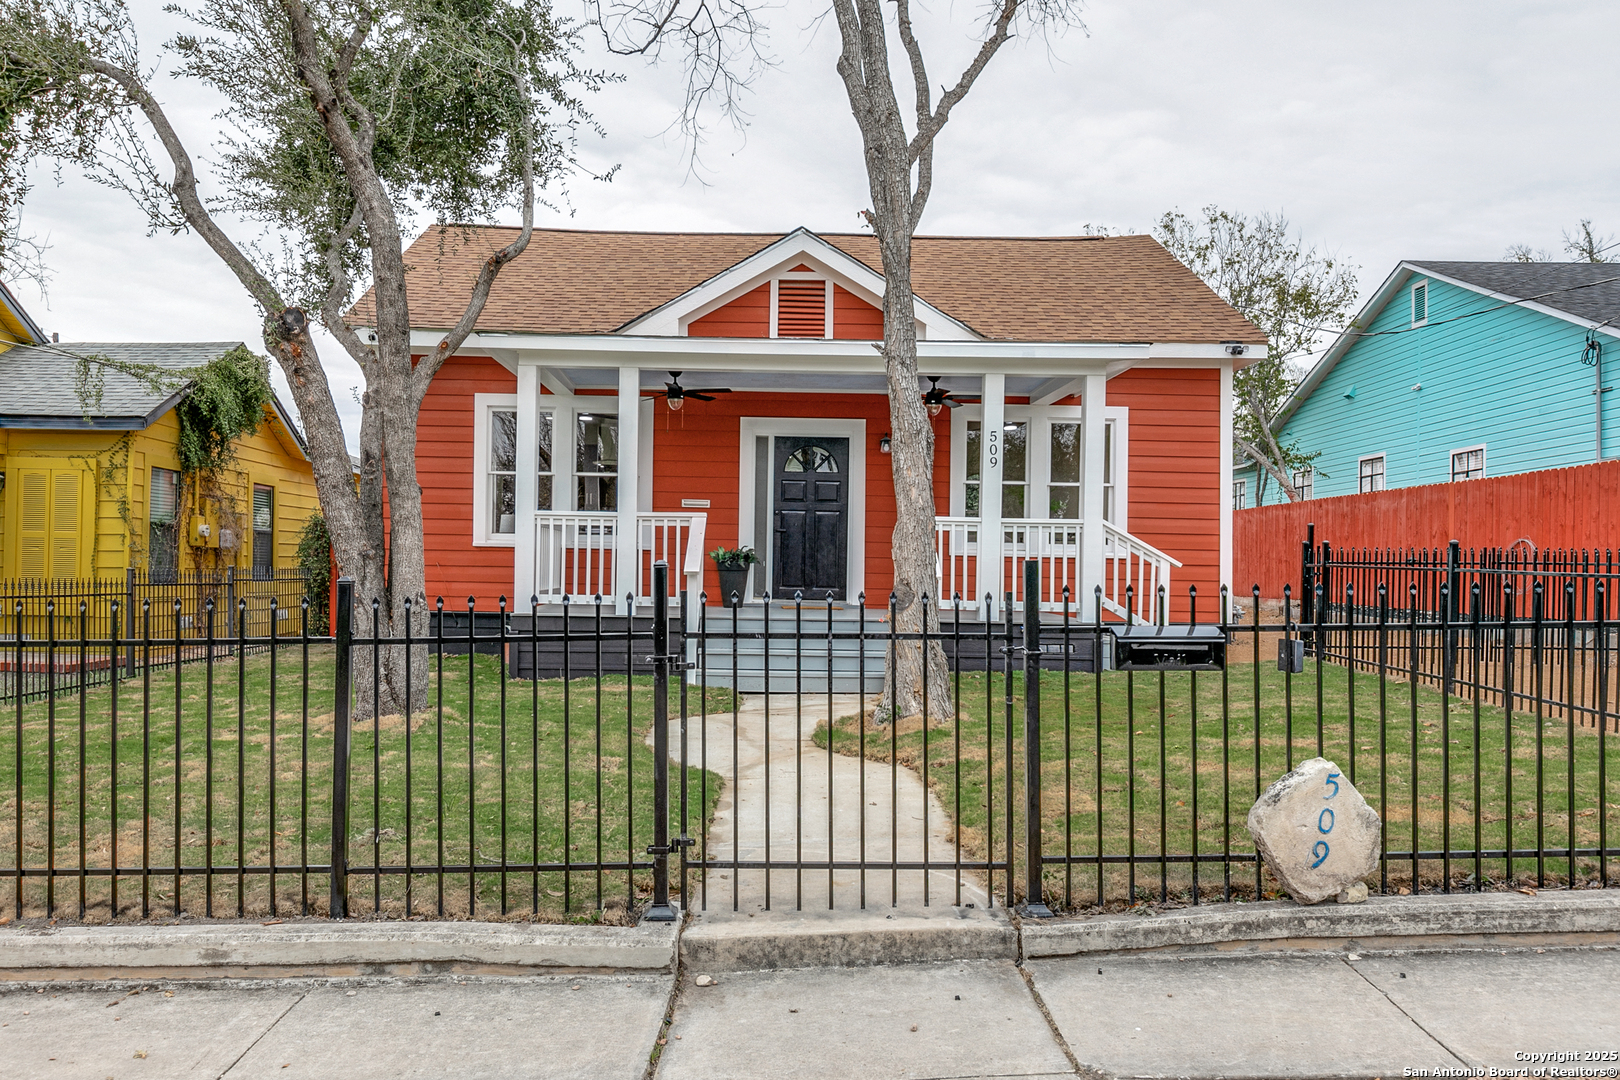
point(1576, 508)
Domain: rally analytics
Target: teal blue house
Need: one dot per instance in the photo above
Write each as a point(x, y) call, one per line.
point(1459, 370)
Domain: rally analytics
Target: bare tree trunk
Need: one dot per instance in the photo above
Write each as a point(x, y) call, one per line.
point(891, 160)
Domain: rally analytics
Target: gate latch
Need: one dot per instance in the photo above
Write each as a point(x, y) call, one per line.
point(675, 845)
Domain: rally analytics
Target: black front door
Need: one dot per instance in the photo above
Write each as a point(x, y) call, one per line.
point(811, 485)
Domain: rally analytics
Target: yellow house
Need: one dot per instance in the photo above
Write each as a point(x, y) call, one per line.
point(91, 495)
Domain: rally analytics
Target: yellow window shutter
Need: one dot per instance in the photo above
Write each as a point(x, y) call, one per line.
point(33, 526)
point(50, 525)
point(65, 490)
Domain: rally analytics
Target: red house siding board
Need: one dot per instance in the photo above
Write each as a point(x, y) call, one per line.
point(748, 316)
point(456, 568)
point(854, 319)
point(1175, 482)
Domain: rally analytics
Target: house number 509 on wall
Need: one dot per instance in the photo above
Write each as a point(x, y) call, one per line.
point(1324, 821)
point(992, 444)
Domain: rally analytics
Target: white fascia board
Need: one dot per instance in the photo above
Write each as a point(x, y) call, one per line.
point(803, 245)
point(770, 354)
point(1518, 302)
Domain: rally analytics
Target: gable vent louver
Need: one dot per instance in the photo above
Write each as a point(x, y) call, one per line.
point(801, 309)
point(1420, 303)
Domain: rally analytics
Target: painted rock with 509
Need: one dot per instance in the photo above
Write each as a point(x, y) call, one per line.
point(1315, 832)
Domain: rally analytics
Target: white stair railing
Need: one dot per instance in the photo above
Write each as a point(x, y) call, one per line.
point(1128, 563)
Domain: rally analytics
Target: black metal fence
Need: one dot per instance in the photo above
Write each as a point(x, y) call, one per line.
point(1530, 616)
point(41, 619)
point(760, 757)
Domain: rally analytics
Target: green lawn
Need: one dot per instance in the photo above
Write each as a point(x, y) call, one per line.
point(1155, 774)
point(520, 790)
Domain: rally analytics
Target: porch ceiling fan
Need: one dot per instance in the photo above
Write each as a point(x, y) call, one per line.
point(675, 394)
point(938, 398)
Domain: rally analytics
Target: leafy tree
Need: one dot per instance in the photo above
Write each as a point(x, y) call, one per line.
point(1292, 292)
point(718, 42)
point(344, 123)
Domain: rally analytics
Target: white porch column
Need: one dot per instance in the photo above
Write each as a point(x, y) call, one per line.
point(1094, 434)
point(992, 440)
point(528, 460)
point(626, 538)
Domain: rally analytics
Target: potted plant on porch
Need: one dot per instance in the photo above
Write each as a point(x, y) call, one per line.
point(732, 565)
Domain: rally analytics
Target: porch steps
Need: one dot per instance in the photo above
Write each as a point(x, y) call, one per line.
point(855, 666)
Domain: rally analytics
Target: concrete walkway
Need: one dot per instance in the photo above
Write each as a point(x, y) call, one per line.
point(1326, 1015)
point(787, 799)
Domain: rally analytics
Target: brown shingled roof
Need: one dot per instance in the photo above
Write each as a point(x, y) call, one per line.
point(1106, 289)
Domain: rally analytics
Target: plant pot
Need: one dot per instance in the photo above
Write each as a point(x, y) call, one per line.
point(733, 580)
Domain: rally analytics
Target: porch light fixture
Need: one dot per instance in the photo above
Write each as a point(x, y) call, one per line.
point(676, 401)
point(885, 445)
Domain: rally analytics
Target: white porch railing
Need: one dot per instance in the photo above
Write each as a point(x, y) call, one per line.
point(575, 552)
point(1131, 574)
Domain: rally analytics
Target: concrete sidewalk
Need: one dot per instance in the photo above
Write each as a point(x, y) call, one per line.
point(1327, 1014)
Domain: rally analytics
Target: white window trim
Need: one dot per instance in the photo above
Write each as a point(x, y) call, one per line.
point(1451, 462)
point(1370, 457)
point(1309, 471)
point(483, 405)
point(1412, 302)
point(1038, 463)
point(1240, 492)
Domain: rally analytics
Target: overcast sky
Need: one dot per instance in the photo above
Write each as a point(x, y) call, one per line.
point(1383, 130)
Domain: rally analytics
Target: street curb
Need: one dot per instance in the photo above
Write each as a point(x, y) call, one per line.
point(1587, 917)
point(847, 939)
point(331, 948)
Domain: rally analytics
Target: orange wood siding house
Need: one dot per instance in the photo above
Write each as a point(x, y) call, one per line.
point(630, 397)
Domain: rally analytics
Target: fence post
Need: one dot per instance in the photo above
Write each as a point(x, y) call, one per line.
point(1034, 902)
point(129, 619)
point(341, 690)
point(661, 910)
point(1307, 574)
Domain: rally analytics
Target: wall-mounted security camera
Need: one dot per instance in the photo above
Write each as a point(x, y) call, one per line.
point(1235, 348)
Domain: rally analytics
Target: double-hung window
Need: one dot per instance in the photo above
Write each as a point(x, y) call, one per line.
point(163, 526)
point(1370, 474)
point(1240, 494)
point(1067, 454)
point(497, 461)
point(596, 461)
point(1014, 449)
point(1305, 482)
